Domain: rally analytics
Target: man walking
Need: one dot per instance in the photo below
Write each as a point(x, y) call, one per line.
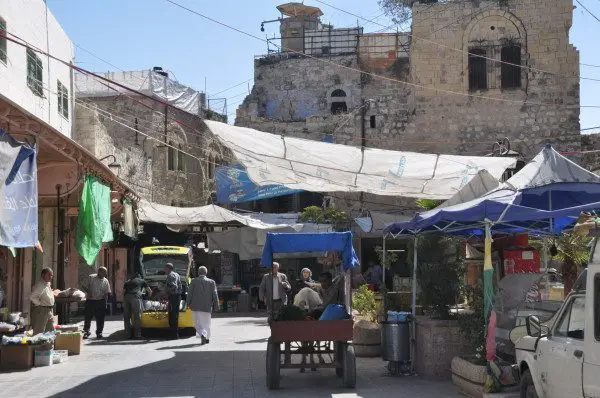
point(273, 291)
point(42, 303)
point(173, 286)
point(97, 289)
point(133, 291)
point(202, 298)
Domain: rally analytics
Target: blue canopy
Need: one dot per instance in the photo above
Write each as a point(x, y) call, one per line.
point(546, 196)
point(310, 242)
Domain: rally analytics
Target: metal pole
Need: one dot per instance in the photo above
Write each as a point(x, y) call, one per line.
point(383, 258)
point(414, 278)
point(550, 209)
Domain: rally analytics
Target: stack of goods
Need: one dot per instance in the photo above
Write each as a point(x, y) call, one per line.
point(18, 351)
point(66, 328)
point(28, 339)
point(7, 328)
point(72, 293)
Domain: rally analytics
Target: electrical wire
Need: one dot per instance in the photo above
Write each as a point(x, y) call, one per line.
point(467, 52)
point(587, 9)
point(326, 61)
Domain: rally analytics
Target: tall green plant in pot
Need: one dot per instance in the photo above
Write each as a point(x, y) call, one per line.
point(439, 266)
point(438, 274)
point(366, 331)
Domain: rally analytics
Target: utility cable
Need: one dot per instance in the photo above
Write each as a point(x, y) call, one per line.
point(467, 52)
point(326, 61)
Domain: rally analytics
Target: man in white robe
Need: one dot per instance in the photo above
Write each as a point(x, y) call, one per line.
point(202, 299)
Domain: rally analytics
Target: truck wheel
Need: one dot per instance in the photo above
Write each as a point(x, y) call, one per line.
point(527, 387)
point(349, 372)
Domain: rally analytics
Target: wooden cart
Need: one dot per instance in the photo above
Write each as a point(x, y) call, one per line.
point(291, 342)
point(329, 340)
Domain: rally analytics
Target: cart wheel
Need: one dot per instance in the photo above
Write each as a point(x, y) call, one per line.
point(339, 357)
point(273, 361)
point(349, 361)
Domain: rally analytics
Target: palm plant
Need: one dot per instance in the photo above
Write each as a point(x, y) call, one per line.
point(572, 250)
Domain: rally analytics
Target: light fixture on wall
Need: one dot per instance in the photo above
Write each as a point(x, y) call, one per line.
point(114, 163)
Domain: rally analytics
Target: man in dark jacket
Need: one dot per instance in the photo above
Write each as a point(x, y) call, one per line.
point(174, 290)
point(133, 292)
point(202, 299)
point(273, 291)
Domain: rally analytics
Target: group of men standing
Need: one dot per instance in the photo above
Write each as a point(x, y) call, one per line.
point(200, 296)
point(308, 294)
point(97, 289)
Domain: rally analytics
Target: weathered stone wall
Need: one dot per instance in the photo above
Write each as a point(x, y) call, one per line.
point(143, 159)
point(424, 103)
point(467, 123)
point(591, 142)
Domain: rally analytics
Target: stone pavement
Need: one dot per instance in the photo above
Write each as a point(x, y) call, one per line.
point(232, 365)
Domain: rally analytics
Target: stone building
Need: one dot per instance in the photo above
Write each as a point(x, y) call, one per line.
point(165, 153)
point(468, 74)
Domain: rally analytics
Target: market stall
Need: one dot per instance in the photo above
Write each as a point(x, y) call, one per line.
point(330, 339)
point(544, 198)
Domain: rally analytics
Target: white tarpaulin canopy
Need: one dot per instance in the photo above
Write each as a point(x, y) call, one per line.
point(323, 167)
point(210, 214)
point(248, 242)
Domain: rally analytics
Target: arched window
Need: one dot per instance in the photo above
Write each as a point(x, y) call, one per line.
point(338, 102)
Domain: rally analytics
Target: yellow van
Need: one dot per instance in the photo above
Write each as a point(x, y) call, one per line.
point(152, 262)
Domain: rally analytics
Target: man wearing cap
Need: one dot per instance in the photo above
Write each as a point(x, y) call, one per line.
point(174, 289)
point(97, 289)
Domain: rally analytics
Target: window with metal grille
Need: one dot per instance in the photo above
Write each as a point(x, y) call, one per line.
point(511, 66)
point(34, 73)
point(477, 69)
point(3, 54)
point(63, 100)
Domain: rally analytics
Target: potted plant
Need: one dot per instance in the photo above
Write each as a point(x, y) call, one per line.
point(367, 332)
point(469, 371)
point(438, 336)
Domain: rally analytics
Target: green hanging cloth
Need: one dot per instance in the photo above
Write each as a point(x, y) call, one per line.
point(93, 223)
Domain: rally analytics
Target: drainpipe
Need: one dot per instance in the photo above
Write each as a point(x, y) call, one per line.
point(60, 250)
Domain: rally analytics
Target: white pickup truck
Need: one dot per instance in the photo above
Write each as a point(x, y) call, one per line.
point(562, 360)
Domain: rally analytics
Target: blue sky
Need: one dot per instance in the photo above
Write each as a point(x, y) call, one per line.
point(139, 34)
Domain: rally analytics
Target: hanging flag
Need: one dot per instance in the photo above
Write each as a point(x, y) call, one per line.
point(491, 383)
point(18, 193)
point(93, 222)
point(129, 227)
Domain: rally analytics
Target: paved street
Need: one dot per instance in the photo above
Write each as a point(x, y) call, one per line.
point(232, 365)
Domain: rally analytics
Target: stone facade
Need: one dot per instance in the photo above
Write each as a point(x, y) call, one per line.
point(423, 101)
point(145, 166)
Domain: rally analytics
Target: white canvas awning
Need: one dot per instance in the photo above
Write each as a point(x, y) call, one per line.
point(323, 167)
point(210, 214)
point(248, 242)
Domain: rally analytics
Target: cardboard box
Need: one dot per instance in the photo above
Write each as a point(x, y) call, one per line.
point(71, 342)
point(43, 358)
point(16, 357)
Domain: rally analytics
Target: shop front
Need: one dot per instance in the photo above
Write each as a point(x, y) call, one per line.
point(62, 166)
